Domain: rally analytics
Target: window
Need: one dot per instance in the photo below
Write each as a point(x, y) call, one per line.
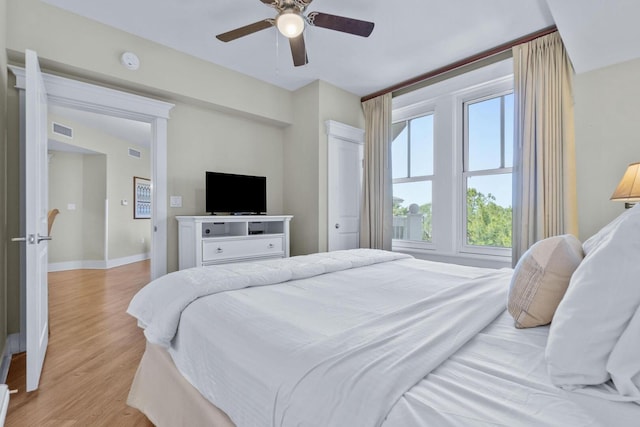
point(412, 166)
point(488, 158)
point(452, 150)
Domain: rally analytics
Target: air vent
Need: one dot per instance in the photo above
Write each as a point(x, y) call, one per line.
point(134, 153)
point(62, 130)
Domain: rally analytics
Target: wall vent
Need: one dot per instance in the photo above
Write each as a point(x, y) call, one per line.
point(134, 153)
point(62, 130)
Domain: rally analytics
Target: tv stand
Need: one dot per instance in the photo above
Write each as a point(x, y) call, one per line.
point(208, 240)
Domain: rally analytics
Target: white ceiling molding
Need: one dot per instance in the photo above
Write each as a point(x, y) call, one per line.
point(73, 94)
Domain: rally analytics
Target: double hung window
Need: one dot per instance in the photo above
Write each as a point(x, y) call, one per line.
point(412, 154)
point(488, 161)
point(452, 160)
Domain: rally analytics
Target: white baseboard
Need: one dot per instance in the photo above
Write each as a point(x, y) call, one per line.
point(127, 260)
point(77, 265)
point(96, 265)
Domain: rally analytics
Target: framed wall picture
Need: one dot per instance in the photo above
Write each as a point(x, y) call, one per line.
point(141, 198)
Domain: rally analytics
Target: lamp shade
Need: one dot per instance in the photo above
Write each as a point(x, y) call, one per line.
point(629, 188)
point(290, 24)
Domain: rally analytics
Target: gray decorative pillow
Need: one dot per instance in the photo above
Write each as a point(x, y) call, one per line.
point(541, 278)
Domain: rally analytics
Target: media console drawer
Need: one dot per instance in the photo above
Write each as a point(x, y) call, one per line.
point(257, 246)
point(207, 240)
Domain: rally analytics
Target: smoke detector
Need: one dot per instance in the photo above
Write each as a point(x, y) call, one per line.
point(130, 60)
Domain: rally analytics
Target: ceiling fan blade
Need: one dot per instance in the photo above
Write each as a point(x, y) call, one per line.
point(340, 23)
point(245, 31)
point(298, 51)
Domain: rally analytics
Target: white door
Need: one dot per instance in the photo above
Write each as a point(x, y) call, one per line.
point(36, 221)
point(344, 193)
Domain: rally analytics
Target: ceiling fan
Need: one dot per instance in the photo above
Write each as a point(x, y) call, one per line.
point(291, 21)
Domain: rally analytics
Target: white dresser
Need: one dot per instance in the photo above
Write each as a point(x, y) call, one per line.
point(207, 240)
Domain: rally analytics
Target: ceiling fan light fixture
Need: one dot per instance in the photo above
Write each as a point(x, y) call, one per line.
point(290, 23)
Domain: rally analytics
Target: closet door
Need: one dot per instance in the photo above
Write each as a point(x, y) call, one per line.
point(345, 160)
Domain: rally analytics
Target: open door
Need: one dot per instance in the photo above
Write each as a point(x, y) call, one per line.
point(35, 220)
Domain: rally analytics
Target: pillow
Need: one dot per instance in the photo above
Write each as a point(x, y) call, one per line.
point(603, 295)
point(596, 240)
point(541, 278)
point(624, 363)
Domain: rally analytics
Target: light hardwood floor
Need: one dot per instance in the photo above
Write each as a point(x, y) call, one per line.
point(94, 350)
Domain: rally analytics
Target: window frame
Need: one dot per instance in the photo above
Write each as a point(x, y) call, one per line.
point(419, 244)
point(497, 90)
point(445, 99)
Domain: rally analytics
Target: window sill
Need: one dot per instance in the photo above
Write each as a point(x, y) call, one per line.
point(473, 260)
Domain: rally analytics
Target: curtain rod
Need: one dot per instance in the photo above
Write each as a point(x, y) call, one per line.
point(466, 61)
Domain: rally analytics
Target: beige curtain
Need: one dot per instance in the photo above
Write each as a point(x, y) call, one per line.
point(544, 183)
point(376, 224)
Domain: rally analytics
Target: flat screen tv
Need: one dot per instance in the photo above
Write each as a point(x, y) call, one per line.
point(233, 194)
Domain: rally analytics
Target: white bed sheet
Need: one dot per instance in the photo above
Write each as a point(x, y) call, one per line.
point(498, 378)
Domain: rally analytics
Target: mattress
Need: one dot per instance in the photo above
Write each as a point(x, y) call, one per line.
point(239, 349)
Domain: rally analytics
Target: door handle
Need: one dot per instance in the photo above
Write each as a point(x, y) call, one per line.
point(31, 239)
point(41, 238)
point(337, 225)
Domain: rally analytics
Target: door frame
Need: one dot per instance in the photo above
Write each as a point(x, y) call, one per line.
point(71, 93)
point(337, 131)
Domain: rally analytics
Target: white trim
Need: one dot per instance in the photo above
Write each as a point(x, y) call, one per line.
point(159, 217)
point(4, 403)
point(98, 99)
point(96, 265)
point(106, 229)
point(473, 260)
point(117, 262)
point(88, 97)
point(77, 265)
point(343, 131)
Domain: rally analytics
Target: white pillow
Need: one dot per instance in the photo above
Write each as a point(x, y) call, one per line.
point(624, 363)
point(603, 295)
point(596, 240)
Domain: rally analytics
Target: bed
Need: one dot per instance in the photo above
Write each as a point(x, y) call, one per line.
point(375, 338)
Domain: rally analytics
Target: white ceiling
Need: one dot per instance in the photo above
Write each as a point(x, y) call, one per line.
point(410, 37)
point(598, 33)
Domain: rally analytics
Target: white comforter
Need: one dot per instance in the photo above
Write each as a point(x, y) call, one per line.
point(359, 370)
point(159, 305)
point(343, 348)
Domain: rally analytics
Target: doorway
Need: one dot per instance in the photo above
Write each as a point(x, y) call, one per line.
point(82, 96)
point(93, 161)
